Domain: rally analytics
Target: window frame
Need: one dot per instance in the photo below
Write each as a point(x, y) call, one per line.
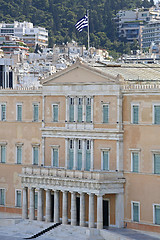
point(153, 113)
point(38, 147)
point(154, 152)
point(138, 152)
point(154, 214)
point(16, 191)
point(18, 104)
point(33, 105)
point(102, 151)
point(132, 115)
point(4, 197)
point(53, 147)
point(3, 145)
point(105, 104)
point(132, 215)
point(19, 145)
point(55, 104)
point(1, 111)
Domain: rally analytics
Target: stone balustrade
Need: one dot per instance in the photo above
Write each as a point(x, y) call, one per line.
point(141, 87)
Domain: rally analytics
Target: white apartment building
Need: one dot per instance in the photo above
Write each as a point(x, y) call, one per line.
point(151, 33)
point(27, 32)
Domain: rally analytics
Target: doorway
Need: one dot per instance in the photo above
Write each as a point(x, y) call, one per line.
point(52, 207)
point(78, 210)
point(105, 213)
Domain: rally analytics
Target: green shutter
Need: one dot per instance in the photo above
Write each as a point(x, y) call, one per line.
point(3, 154)
point(157, 214)
point(35, 113)
point(157, 163)
point(19, 112)
point(55, 157)
point(135, 114)
point(88, 113)
point(88, 159)
point(19, 155)
point(105, 113)
point(18, 204)
point(135, 162)
point(3, 112)
point(35, 155)
point(70, 159)
point(79, 165)
point(71, 113)
point(36, 200)
point(156, 114)
point(2, 197)
point(79, 113)
point(135, 212)
point(55, 113)
point(105, 161)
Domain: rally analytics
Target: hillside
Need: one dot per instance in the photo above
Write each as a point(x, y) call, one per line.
point(60, 16)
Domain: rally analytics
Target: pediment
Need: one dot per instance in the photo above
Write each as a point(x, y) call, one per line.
point(80, 74)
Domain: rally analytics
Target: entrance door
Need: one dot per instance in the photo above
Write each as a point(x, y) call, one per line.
point(105, 213)
point(78, 210)
point(52, 207)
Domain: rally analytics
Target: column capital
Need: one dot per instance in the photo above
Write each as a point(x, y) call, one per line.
point(99, 194)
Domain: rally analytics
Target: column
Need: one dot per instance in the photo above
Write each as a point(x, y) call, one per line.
point(83, 154)
point(120, 210)
point(48, 205)
point(75, 154)
point(92, 156)
point(92, 109)
point(119, 111)
point(43, 151)
point(56, 206)
point(99, 211)
point(73, 209)
point(82, 209)
point(32, 204)
point(67, 109)
point(40, 207)
point(65, 208)
point(91, 210)
point(25, 203)
point(84, 110)
point(75, 109)
point(66, 152)
point(43, 111)
point(120, 154)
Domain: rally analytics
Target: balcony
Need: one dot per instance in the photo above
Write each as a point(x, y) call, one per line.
point(60, 179)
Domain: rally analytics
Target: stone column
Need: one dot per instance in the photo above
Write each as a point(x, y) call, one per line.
point(120, 154)
point(25, 203)
point(83, 154)
point(66, 152)
point(84, 110)
point(67, 109)
point(65, 208)
point(91, 210)
point(92, 155)
point(73, 209)
point(75, 109)
point(92, 104)
point(99, 211)
point(48, 205)
point(120, 210)
point(56, 206)
point(82, 209)
point(119, 111)
point(40, 207)
point(32, 204)
point(43, 151)
point(75, 154)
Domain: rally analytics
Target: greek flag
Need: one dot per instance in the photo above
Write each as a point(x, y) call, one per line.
point(82, 23)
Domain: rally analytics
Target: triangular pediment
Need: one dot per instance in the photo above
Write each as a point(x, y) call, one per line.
point(80, 73)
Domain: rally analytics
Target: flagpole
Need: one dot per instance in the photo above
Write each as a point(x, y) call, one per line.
point(88, 31)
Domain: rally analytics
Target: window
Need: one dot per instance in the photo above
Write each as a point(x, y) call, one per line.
point(55, 113)
point(71, 154)
point(135, 114)
point(18, 198)
point(36, 200)
point(80, 102)
point(88, 155)
point(71, 110)
point(156, 214)
point(35, 155)
point(79, 159)
point(35, 112)
point(135, 162)
point(3, 154)
point(156, 163)
point(3, 112)
point(105, 160)
point(88, 110)
point(19, 112)
point(2, 196)
point(19, 155)
point(157, 114)
point(55, 157)
point(105, 113)
point(135, 211)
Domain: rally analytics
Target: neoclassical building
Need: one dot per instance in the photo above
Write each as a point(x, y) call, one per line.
point(84, 148)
